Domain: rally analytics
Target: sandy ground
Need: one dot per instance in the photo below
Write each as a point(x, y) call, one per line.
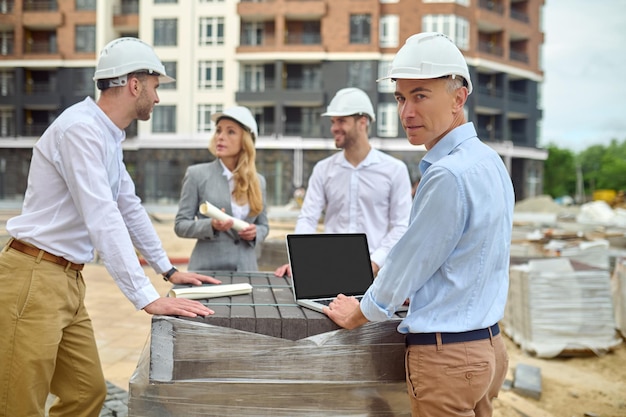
point(571, 387)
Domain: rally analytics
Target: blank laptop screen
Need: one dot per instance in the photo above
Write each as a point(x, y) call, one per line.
point(324, 265)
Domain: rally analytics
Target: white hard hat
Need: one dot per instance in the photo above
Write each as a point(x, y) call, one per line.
point(241, 115)
point(429, 55)
point(350, 101)
point(122, 56)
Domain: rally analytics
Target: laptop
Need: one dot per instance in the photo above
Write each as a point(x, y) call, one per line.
point(324, 265)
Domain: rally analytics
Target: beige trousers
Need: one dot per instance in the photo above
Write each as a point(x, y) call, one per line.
point(47, 341)
point(456, 379)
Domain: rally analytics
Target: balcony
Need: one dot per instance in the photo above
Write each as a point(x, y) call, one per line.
point(303, 38)
point(487, 134)
point(40, 5)
point(126, 7)
point(518, 56)
point(34, 129)
point(520, 16)
point(126, 16)
point(257, 11)
point(305, 9)
point(492, 5)
point(7, 6)
point(44, 47)
point(42, 20)
point(297, 128)
point(491, 48)
point(33, 88)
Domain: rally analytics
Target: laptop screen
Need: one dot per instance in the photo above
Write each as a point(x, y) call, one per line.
point(324, 265)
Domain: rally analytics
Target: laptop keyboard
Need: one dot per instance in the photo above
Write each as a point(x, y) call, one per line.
point(327, 301)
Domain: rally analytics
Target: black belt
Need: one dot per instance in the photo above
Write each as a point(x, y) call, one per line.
point(431, 338)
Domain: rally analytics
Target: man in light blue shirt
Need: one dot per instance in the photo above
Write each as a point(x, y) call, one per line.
point(453, 261)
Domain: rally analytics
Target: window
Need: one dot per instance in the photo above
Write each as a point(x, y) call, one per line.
point(361, 74)
point(7, 122)
point(457, 28)
point(253, 78)
point(210, 75)
point(7, 83)
point(252, 33)
point(82, 81)
point(85, 38)
point(387, 120)
point(385, 86)
point(204, 116)
point(85, 5)
point(6, 42)
point(360, 28)
point(170, 69)
point(165, 32)
point(389, 31)
point(164, 119)
point(211, 31)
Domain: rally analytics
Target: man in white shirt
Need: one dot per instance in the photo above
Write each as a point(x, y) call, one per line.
point(359, 190)
point(80, 199)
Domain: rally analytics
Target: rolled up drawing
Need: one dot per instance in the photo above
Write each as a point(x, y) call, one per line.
point(210, 210)
point(210, 291)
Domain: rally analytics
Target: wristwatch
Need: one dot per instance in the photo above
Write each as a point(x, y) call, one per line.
point(168, 274)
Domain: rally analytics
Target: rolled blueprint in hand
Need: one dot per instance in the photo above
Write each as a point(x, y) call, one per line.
point(210, 210)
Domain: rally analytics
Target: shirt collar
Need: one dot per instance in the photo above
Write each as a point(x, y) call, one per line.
point(371, 158)
point(447, 144)
point(116, 132)
point(226, 172)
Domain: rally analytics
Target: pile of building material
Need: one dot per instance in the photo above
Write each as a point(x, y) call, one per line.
point(618, 288)
point(560, 307)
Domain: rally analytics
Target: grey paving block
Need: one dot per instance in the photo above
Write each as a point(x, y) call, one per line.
point(527, 381)
point(266, 352)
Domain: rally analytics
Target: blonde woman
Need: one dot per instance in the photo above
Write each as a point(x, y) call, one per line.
point(232, 184)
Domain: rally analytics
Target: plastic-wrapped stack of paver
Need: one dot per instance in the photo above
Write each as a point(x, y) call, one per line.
point(618, 288)
point(263, 355)
point(558, 307)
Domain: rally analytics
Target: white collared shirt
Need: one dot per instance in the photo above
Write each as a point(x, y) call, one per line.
point(239, 211)
point(80, 199)
point(372, 198)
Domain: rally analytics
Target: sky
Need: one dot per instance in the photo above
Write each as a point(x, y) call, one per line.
point(584, 64)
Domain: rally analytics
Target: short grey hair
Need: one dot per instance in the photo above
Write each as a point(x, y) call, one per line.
point(454, 82)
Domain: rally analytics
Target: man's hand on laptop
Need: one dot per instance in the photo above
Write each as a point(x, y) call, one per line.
point(375, 268)
point(345, 312)
point(283, 270)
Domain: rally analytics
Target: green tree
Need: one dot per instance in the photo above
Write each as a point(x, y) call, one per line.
point(590, 161)
point(604, 167)
point(559, 172)
point(612, 173)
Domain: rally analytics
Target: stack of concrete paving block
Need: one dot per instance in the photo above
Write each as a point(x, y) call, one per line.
point(618, 290)
point(262, 355)
point(557, 307)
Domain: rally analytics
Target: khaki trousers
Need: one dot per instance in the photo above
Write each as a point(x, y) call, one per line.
point(455, 379)
point(47, 341)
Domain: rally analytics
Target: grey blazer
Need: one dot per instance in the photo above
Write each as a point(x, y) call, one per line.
point(214, 250)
